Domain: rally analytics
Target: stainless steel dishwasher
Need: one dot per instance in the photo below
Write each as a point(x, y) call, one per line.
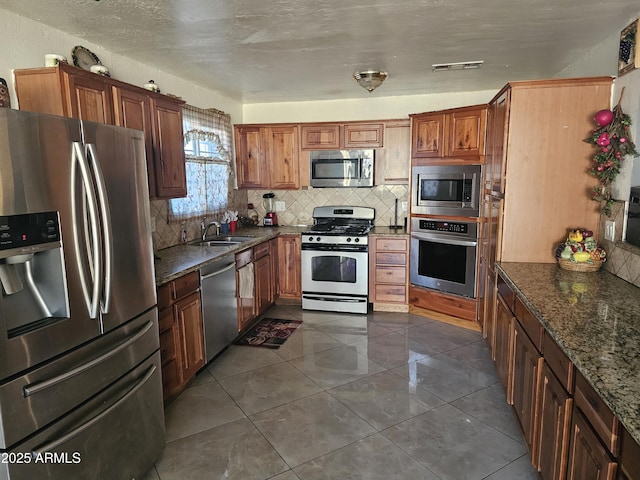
point(219, 305)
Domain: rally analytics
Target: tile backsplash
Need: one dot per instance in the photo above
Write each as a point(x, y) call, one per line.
point(623, 259)
point(299, 204)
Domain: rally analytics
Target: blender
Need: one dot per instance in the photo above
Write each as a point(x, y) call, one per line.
point(269, 204)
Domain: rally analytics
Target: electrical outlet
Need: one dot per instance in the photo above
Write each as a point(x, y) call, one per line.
point(280, 206)
point(609, 230)
point(405, 205)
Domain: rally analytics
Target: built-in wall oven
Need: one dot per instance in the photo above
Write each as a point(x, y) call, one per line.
point(444, 255)
point(335, 262)
point(451, 190)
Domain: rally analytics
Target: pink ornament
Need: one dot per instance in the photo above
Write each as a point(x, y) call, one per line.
point(623, 139)
point(603, 117)
point(605, 149)
point(600, 168)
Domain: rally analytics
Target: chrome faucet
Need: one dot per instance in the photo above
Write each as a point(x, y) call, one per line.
point(206, 229)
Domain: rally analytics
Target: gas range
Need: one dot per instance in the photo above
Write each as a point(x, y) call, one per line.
point(342, 225)
point(335, 259)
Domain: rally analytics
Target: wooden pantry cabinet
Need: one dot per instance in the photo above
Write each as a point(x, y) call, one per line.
point(72, 92)
point(388, 273)
point(290, 267)
point(267, 156)
point(181, 332)
point(454, 135)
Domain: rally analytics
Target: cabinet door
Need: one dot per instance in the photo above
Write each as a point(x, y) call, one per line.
point(133, 110)
point(394, 160)
point(428, 136)
point(251, 157)
point(289, 257)
point(496, 153)
point(553, 427)
point(527, 363)
point(503, 345)
point(262, 268)
point(188, 313)
point(274, 266)
point(490, 299)
point(363, 135)
point(90, 98)
point(319, 137)
point(588, 458)
point(168, 144)
point(466, 133)
point(169, 342)
point(283, 157)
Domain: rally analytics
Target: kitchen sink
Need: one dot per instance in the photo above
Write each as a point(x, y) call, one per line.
point(222, 241)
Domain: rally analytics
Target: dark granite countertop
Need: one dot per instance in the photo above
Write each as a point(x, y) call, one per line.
point(595, 319)
point(173, 262)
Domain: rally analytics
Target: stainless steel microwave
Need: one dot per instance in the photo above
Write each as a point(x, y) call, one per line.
point(452, 190)
point(341, 168)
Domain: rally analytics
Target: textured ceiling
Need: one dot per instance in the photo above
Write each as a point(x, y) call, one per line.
point(290, 50)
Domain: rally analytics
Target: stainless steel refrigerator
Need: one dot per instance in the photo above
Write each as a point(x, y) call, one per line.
point(80, 379)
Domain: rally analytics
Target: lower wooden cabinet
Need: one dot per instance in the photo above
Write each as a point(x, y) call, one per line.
point(388, 273)
point(290, 266)
point(503, 344)
point(181, 332)
point(262, 271)
point(588, 457)
point(555, 408)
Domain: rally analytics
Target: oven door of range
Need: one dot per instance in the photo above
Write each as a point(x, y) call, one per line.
point(335, 269)
point(445, 263)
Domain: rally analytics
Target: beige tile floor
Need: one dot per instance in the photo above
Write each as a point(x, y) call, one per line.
point(383, 396)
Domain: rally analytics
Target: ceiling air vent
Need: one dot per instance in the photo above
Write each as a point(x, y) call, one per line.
point(441, 67)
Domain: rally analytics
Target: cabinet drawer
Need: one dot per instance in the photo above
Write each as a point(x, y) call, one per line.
point(261, 250)
point(186, 284)
point(508, 295)
point(165, 295)
point(559, 363)
point(391, 274)
point(391, 258)
point(165, 320)
point(390, 294)
point(244, 258)
point(601, 418)
point(529, 323)
point(392, 244)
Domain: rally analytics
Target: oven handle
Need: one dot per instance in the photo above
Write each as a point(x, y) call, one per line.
point(444, 239)
point(334, 248)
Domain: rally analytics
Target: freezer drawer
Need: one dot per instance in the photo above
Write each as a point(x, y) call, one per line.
point(118, 434)
point(39, 397)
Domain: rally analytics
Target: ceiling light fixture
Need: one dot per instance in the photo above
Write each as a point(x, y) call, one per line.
point(441, 67)
point(370, 79)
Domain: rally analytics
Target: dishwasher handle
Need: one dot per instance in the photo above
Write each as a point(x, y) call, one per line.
point(218, 272)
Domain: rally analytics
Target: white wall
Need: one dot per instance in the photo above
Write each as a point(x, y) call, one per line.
point(25, 43)
point(372, 108)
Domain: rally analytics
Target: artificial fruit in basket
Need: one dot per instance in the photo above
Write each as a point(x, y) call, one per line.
point(580, 246)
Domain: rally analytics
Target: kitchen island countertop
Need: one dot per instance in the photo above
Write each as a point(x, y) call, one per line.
point(595, 319)
point(173, 262)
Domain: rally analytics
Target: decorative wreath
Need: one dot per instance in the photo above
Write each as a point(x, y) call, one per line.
point(612, 138)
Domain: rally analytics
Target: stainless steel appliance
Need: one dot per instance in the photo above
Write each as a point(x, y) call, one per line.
point(341, 168)
point(633, 217)
point(79, 350)
point(335, 265)
point(219, 305)
point(444, 255)
point(450, 190)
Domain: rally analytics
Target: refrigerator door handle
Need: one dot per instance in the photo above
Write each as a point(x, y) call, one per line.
point(81, 428)
point(91, 293)
point(107, 232)
point(44, 384)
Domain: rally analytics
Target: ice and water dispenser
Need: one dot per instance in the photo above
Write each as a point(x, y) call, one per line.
point(34, 287)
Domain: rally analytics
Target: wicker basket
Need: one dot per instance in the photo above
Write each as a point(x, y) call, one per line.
point(593, 266)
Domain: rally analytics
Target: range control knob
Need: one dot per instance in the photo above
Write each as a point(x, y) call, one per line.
point(348, 239)
point(311, 239)
point(318, 238)
point(357, 240)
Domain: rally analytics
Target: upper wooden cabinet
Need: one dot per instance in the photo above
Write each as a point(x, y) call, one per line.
point(454, 134)
point(72, 92)
point(268, 156)
point(335, 136)
point(393, 162)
